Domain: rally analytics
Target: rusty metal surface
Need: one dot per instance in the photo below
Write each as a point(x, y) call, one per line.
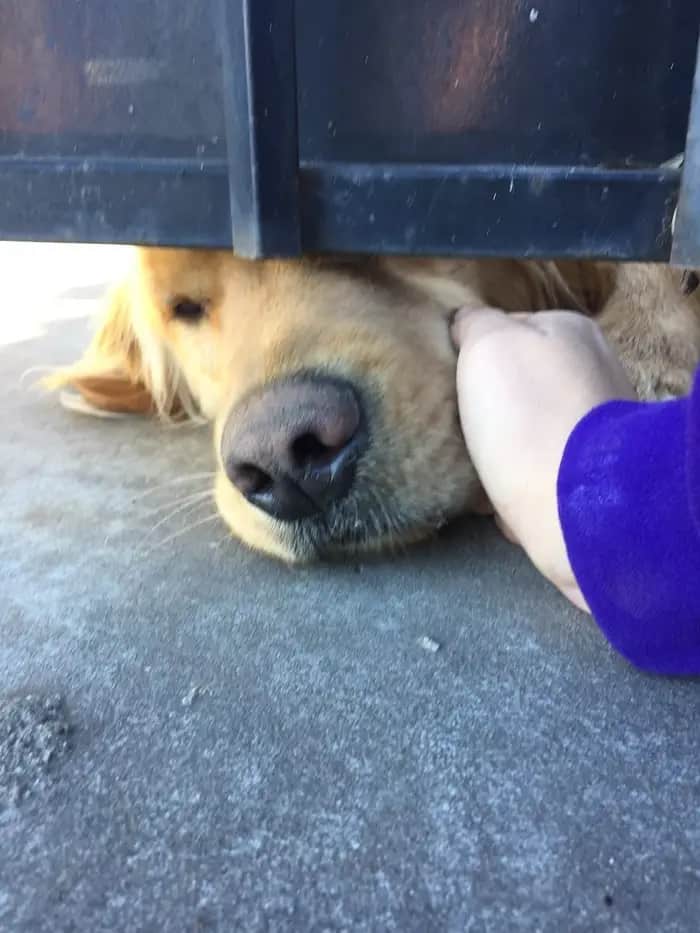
point(113, 124)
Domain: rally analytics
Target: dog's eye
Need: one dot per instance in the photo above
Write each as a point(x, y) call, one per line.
point(185, 309)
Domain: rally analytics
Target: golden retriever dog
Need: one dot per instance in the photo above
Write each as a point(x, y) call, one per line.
point(330, 383)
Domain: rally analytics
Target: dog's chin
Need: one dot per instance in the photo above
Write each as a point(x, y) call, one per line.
point(359, 526)
point(365, 522)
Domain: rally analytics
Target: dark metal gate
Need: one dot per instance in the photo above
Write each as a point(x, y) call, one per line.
point(470, 127)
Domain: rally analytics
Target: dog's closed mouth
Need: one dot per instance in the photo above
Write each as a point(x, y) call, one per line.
point(363, 520)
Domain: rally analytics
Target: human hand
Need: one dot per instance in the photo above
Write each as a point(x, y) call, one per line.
point(523, 384)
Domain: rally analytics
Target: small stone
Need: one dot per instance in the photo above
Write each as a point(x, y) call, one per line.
point(193, 694)
point(429, 644)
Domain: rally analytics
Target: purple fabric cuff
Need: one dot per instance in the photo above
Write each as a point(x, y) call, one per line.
point(629, 505)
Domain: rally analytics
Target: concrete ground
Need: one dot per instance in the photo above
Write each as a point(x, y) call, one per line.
point(195, 738)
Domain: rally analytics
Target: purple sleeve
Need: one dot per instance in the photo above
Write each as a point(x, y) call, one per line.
point(629, 504)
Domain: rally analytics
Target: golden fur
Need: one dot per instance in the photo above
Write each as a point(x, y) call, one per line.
point(383, 325)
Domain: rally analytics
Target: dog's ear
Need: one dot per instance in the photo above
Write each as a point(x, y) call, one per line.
point(122, 371)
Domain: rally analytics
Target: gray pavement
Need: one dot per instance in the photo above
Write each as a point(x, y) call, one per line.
point(193, 737)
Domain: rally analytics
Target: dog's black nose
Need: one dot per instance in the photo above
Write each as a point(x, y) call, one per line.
point(293, 447)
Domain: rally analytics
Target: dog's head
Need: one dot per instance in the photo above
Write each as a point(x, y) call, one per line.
point(330, 384)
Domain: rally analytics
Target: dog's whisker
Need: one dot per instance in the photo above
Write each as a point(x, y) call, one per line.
point(189, 478)
point(395, 525)
point(187, 506)
point(183, 531)
point(333, 524)
point(375, 521)
point(227, 538)
point(191, 421)
point(186, 500)
point(35, 371)
point(390, 525)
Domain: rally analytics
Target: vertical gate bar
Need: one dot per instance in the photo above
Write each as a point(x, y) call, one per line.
point(259, 68)
point(686, 234)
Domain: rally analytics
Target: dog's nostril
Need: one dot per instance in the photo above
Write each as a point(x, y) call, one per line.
point(309, 451)
point(251, 480)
